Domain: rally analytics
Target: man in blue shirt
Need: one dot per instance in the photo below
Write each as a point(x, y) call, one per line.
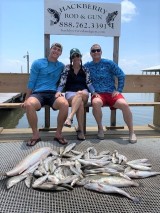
point(103, 73)
point(42, 86)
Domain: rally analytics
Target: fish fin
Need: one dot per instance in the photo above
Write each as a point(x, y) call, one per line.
point(65, 185)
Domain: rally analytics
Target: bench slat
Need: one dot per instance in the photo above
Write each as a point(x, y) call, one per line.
point(134, 104)
point(144, 104)
point(10, 105)
point(17, 105)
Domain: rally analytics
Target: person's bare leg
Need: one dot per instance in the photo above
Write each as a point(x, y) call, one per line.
point(97, 112)
point(80, 112)
point(75, 103)
point(127, 116)
point(31, 105)
point(80, 117)
point(61, 104)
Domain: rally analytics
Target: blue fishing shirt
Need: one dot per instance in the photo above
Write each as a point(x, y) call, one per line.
point(103, 75)
point(44, 75)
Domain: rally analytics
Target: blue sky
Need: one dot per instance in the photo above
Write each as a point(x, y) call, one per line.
point(22, 30)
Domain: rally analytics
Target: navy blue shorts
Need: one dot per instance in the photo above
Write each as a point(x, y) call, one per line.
point(45, 98)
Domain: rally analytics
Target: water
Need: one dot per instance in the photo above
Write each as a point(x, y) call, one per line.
point(141, 115)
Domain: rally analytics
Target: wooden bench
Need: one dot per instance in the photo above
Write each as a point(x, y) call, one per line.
point(16, 83)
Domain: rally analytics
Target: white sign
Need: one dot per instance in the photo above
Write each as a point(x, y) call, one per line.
point(81, 18)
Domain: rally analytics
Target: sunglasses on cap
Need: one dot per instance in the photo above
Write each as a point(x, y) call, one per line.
point(95, 50)
point(75, 56)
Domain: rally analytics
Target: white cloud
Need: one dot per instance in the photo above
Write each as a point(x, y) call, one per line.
point(130, 66)
point(129, 10)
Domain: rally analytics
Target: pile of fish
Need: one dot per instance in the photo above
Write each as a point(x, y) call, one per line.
point(106, 172)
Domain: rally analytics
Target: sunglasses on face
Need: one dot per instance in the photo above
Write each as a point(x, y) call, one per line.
point(75, 56)
point(96, 50)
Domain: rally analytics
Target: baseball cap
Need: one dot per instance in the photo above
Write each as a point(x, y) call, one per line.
point(75, 51)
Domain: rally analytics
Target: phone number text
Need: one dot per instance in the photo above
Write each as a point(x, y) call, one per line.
point(83, 25)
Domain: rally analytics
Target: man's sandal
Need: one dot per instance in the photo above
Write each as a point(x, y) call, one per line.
point(68, 122)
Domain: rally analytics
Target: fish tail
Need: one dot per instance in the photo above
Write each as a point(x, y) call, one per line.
point(136, 199)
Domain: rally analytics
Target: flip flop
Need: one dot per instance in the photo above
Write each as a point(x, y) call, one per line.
point(80, 136)
point(33, 142)
point(61, 140)
point(68, 122)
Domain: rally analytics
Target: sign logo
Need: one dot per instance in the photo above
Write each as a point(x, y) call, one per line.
point(55, 17)
point(82, 18)
point(110, 18)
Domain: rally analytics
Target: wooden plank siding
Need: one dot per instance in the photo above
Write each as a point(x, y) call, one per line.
point(13, 82)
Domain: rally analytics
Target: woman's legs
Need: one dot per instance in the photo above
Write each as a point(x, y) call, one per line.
point(77, 102)
point(80, 118)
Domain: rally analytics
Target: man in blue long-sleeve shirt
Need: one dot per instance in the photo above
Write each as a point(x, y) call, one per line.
point(103, 73)
point(41, 90)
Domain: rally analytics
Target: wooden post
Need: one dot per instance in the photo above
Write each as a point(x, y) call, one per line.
point(156, 112)
point(46, 53)
point(115, 59)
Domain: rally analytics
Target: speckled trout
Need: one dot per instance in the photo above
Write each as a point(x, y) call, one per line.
point(109, 189)
point(109, 180)
point(133, 173)
point(30, 160)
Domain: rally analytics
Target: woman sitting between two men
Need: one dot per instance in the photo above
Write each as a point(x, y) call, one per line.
point(75, 81)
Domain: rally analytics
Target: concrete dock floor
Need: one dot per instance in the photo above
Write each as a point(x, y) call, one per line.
point(21, 199)
point(70, 133)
